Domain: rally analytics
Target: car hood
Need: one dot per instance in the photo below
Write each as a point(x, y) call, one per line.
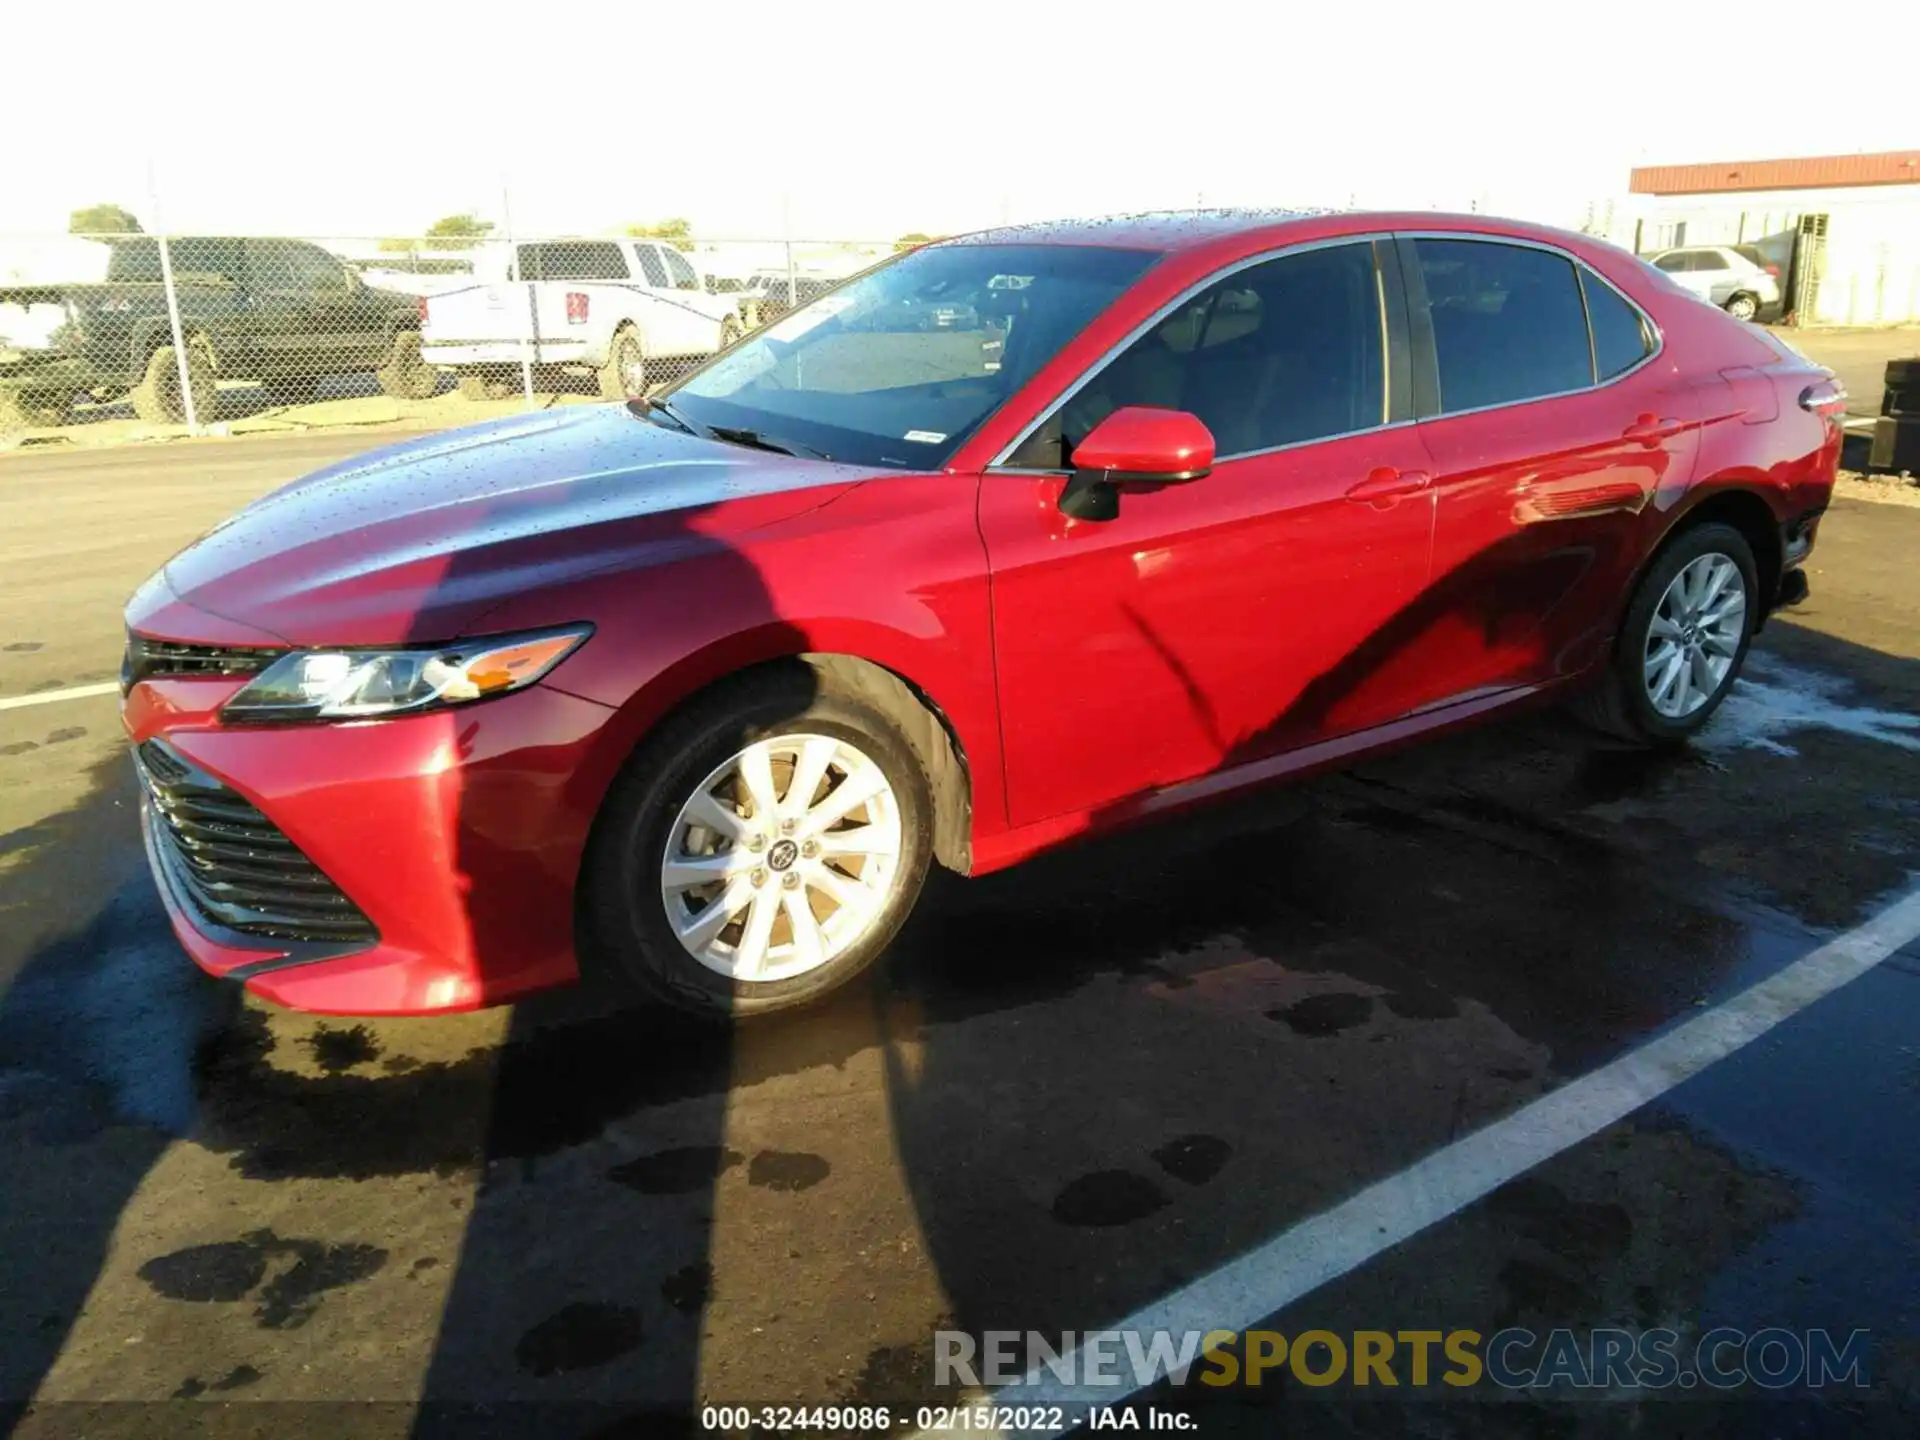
point(417, 542)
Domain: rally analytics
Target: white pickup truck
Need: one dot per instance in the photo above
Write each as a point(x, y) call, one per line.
point(610, 309)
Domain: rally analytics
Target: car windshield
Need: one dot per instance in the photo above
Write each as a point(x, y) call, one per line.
point(899, 365)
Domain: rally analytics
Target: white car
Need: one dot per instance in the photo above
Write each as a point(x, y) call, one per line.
point(608, 309)
point(1738, 278)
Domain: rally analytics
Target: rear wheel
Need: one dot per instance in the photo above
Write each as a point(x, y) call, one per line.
point(29, 409)
point(624, 376)
point(159, 398)
point(404, 375)
point(730, 331)
point(1683, 642)
point(1743, 306)
point(762, 850)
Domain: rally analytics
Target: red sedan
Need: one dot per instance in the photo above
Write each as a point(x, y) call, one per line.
point(1016, 538)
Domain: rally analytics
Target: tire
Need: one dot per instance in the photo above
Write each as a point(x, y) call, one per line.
point(405, 376)
point(730, 332)
point(484, 385)
point(34, 409)
point(1743, 306)
point(158, 397)
point(624, 375)
point(628, 890)
point(1624, 703)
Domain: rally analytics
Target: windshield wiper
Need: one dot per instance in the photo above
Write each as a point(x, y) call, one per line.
point(673, 416)
point(740, 435)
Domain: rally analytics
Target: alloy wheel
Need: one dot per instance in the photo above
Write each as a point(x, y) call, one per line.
point(1695, 636)
point(785, 855)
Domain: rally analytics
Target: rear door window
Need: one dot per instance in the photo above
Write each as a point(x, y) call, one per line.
point(572, 260)
point(314, 269)
point(650, 266)
point(1509, 323)
point(192, 257)
point(1620, 336)
point(680, 270)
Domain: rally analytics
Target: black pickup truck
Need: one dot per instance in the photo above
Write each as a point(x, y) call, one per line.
point(282, 312)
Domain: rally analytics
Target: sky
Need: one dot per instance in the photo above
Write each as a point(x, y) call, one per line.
point(832, 120)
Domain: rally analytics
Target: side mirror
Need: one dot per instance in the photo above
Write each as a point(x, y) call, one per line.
point(1135, 446)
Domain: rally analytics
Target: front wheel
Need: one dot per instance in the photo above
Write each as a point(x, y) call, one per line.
point(762, 850)
point(1743, 307)
point(1684, 639)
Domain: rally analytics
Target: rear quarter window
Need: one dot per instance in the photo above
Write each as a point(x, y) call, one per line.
point(1621, 336)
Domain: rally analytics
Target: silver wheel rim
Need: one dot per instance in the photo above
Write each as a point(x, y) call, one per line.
point(782, 858)
point(1695, 635)
point(1743, 309)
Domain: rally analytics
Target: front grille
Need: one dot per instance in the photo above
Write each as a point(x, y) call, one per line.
point(234, 864)
point(146, 656)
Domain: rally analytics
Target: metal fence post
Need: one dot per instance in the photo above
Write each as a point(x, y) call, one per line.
point(528, 336)
point(180, 366)
point(786, 230)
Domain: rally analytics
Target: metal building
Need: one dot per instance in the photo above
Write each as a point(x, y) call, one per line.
point(1844, 229)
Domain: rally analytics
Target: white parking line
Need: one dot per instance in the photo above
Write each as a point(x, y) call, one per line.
point(47, 697)
point(1243, 1292)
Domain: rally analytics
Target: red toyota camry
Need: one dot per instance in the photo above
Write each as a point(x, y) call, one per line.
point(1016, 538)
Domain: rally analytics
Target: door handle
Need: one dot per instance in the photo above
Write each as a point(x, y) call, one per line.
point(1387, 483)
point(1652, 428)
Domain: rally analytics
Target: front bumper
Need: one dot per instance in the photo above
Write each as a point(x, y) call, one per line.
point(457, 834)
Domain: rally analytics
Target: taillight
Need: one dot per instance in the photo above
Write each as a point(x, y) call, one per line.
point(576, 307)
point(1774, 271)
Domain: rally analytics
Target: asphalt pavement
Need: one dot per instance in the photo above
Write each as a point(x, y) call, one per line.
point(1083, 1085)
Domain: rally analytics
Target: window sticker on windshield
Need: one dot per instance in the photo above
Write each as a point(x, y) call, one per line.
point(792, 327)
point(925, 437)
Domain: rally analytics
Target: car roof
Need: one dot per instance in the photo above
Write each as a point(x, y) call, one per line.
point(1184, 230)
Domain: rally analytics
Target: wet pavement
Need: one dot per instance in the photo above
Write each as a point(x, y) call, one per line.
point(1084, 1083)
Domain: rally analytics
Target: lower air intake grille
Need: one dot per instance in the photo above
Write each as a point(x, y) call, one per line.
point(233, 862)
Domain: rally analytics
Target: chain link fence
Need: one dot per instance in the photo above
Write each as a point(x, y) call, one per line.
point(110, 338)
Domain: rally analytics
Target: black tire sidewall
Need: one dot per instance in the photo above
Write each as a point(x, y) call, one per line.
point(630, 930)
point(1630, 661)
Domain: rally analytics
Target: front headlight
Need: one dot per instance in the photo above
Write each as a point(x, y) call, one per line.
point(365, 684)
